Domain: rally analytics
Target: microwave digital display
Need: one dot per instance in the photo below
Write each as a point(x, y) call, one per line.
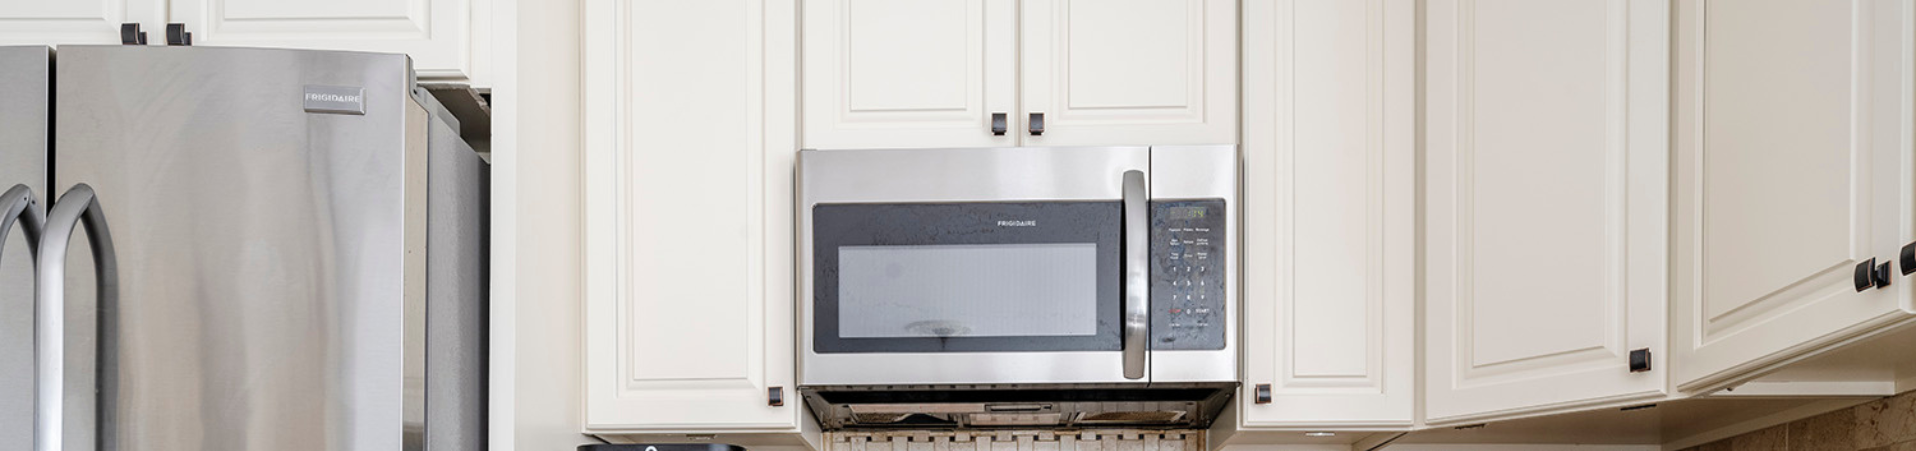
point(1182, 213)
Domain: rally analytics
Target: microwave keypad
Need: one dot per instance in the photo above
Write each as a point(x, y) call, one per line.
point(1187, 274)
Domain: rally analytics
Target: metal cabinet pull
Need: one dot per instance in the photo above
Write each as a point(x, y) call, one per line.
point(1137, 274)
point(130, 34)
point(999, 124)
point(1870, 274)
point(1865, 275)
point(77, 206)
point(1037, 124)
point(1909, 258)
point(1640, 360)
point(1883, 275)
point(1262, 394)
point(176, 34)
point(775, 396)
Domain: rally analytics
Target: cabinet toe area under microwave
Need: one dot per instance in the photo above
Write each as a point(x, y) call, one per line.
point(1018, 287)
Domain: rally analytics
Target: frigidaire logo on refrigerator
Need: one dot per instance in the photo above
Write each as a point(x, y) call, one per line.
point(335, 100)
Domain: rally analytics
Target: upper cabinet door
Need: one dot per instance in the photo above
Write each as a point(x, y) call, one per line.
point(1793, 139)
point(1129, 72)
point(1546, 204)
point(891, 74)
point(438, 34)
point(1330, 203)
point(689, 326)
point(56, 22)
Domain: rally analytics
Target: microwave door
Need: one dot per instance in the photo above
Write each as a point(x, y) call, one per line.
point(974, 266)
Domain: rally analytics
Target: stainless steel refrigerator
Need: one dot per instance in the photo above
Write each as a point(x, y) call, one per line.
point(251, 249)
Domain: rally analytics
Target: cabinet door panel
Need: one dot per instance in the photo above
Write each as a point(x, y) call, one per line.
point(1129, 72)
point(1545, 203)
point(882, 73)
point(44, 22)
point(1793, 160)
point(438, 34)
point(1329, 165)
point(689, 297)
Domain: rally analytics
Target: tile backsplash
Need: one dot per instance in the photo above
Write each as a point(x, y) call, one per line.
point(1887, 424)
point(1019, 440)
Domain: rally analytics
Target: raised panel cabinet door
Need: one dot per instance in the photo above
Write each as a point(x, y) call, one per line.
point(1793, 164)
point(1129, 72)
point(439, 35)
point(891, 74)
point(689, 247)
point(1546, 195)
point(56, 22)
point(1330, 163)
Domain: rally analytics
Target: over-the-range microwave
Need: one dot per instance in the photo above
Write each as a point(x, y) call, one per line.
point(1018, 287)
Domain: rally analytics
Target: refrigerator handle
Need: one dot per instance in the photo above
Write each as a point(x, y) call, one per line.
point(16, 204)
point(75, 207)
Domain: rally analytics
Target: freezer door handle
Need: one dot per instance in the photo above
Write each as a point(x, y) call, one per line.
point(77, 206)
point(15, 205)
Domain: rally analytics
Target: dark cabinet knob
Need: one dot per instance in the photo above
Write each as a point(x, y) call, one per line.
point(1640, 360)
point(1263, 393)
point(1909, 258)
point(1037, 124)
point(999, 124)
point(176, 34)
point(1870, 274)
point(775, 396)
point(1865, 276)
point(130, 34)
point(1882, 275)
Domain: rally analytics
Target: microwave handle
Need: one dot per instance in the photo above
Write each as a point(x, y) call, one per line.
point(1137, 274)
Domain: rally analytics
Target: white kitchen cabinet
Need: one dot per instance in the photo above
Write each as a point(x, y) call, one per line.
point(688, 227)
point(1546, 199)
point(883, 73)
point(887, 74)
point(445, 38)
point(1330, 244)
point(43, 22)
point(1129, 72)
point(1793, 164)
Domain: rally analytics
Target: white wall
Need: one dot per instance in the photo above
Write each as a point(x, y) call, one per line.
point(536, 214)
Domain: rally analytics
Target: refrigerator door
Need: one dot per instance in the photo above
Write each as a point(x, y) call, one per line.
point(267, 209)
point(25, 113)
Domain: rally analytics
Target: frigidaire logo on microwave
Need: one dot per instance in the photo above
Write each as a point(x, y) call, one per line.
point(1018, 223)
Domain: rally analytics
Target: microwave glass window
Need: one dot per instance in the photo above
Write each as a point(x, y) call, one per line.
point(971, 290)
point(966, 277)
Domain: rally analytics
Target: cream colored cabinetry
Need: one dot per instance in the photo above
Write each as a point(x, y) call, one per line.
point(882, 73)
point(909, 74)
point(42, 22)
point(1793, 165)
point(1545, 205)
point(446, 38)
point(688, 224)
point(1330, 215)
point(1129, 72)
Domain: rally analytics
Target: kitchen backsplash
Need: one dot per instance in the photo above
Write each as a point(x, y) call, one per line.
point(1887, 424)
point(1019, 440)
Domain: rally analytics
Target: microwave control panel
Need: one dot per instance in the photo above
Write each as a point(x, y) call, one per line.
point(1187, 274)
